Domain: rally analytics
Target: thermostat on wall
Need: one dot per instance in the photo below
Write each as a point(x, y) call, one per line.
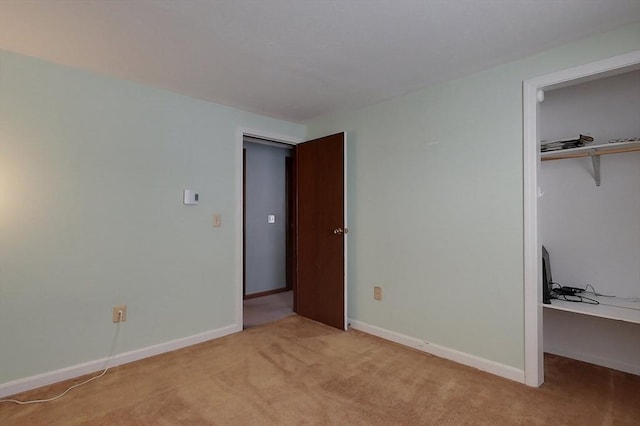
point(190, 196)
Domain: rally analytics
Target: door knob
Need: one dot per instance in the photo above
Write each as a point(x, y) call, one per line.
point(338, 231)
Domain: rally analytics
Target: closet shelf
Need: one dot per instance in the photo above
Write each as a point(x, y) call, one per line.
point(610, 307)
point(593, 151)
point(585, 151)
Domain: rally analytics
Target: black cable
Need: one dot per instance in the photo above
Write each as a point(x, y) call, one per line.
point(570, 294)
point(577, 299)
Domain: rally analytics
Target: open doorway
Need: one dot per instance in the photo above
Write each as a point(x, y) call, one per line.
point(318, 223)
point(268, 229)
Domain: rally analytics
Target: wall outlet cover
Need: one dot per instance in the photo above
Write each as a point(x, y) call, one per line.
point(116, 313)
point(377, 293)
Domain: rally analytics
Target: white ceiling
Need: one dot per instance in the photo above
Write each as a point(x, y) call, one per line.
point(297, 59)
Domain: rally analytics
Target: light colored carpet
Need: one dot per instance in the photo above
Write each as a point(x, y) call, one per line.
point(266, 309)
point(299, 372)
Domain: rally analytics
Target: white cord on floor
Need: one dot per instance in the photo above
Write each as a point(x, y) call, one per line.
point(112, 355)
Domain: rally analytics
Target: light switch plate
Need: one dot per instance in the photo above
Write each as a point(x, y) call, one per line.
point(271, 218)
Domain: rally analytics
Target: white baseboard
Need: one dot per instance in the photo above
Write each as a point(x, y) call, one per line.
point(492, 367)
point(591, 359)
point(44, 379)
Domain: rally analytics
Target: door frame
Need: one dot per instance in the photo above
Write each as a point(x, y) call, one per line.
point(241, 132)
point(533, 91)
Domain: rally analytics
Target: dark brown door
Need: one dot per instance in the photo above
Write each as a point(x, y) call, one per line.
point(320, 283)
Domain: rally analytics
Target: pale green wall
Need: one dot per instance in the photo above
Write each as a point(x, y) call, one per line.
point(91, 214)
point(436, 204)
point(91, 177)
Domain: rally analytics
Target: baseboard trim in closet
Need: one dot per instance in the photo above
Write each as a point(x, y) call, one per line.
point(603, 362)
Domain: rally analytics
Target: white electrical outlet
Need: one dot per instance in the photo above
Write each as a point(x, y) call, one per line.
point(377, 293)
point(120, 313)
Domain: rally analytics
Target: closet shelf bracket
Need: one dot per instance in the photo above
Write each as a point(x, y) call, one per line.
point(595, 160)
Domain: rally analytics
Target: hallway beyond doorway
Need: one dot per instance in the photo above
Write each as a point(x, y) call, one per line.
point(263, 310)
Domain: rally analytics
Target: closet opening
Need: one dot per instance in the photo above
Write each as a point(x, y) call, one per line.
point(581, 202)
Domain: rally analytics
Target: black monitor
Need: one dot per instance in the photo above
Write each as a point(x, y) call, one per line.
point(546, 277)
